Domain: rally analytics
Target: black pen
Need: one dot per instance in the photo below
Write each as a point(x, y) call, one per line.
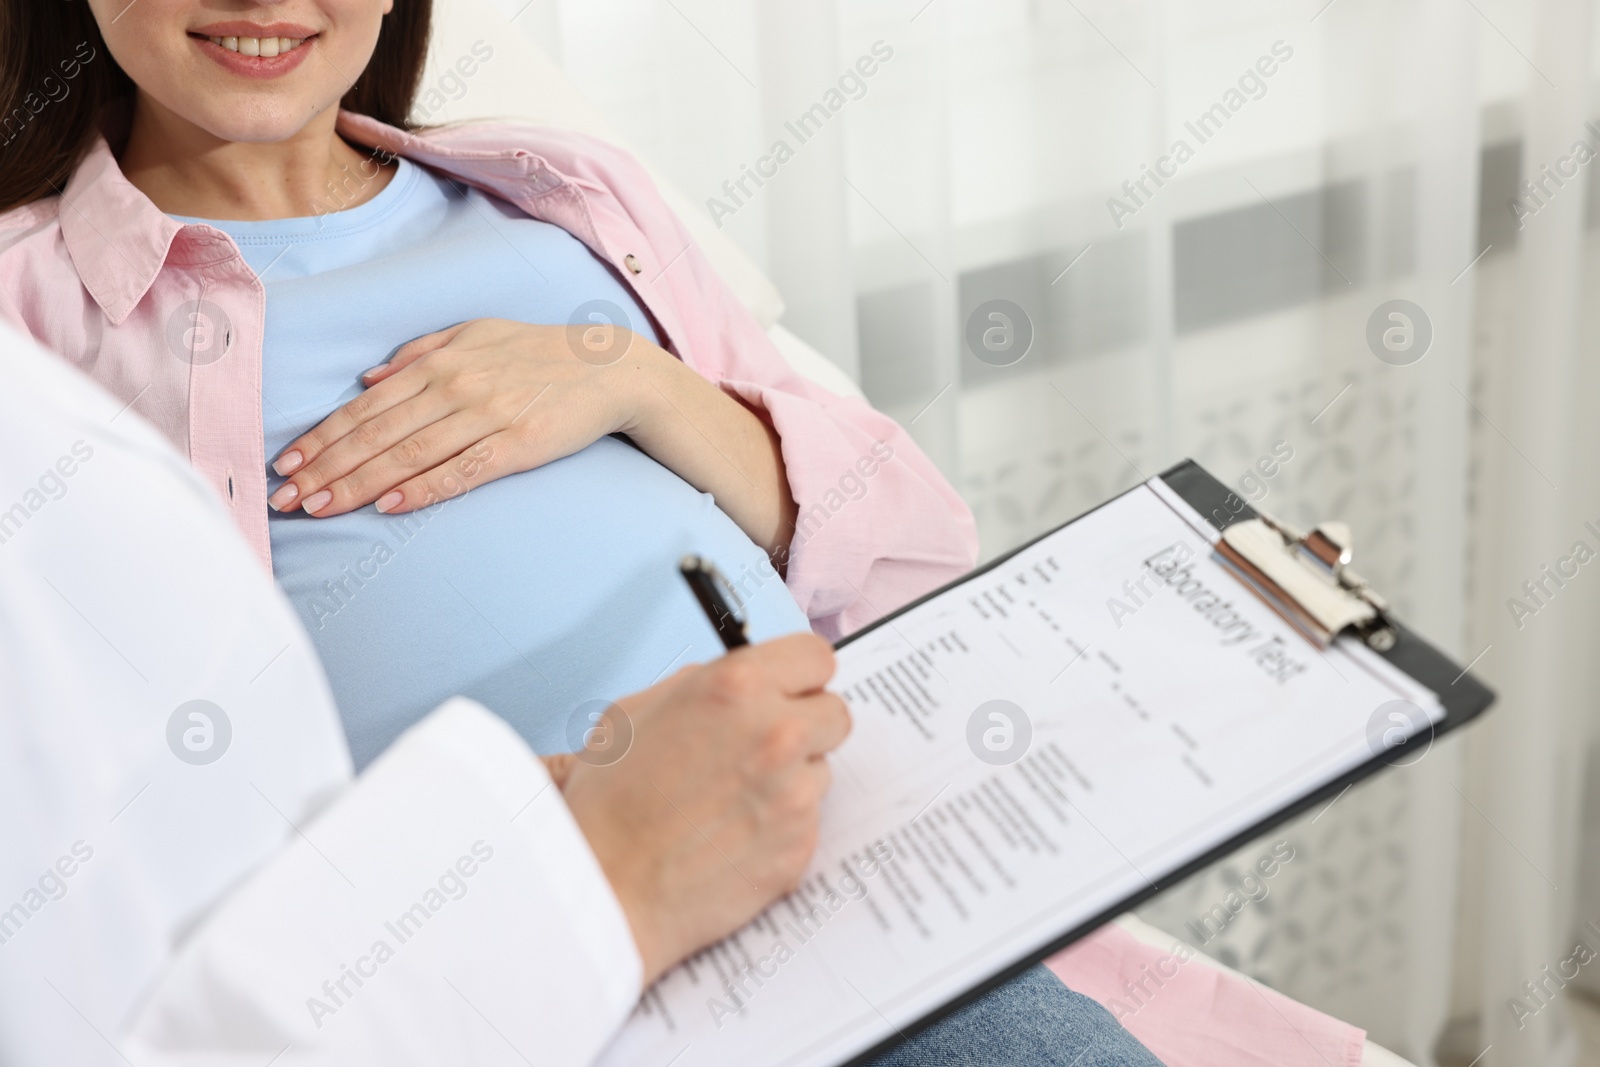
point(706, 584)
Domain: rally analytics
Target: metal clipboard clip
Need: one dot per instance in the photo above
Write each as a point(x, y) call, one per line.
point(1307, 579)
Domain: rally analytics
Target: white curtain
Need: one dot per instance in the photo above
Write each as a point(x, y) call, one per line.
point(1340, 154)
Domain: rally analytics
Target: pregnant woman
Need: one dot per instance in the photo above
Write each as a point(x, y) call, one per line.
point(224, 297)
point(566, 397)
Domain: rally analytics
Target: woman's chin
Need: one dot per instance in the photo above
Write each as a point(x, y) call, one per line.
point(259, 122)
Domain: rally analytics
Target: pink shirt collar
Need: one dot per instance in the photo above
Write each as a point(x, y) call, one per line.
point(119, 240)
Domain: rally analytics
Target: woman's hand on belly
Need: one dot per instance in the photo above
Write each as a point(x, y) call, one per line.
point(490, 397)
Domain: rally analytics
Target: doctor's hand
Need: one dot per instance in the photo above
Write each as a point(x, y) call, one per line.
point(713, 812)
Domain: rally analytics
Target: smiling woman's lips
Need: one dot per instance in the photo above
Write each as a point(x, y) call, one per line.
point(266, 47)
point(255, 56)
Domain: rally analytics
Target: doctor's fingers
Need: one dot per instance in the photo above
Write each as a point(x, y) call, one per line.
point(798, 664)
point(803, 731)
point(827, 720)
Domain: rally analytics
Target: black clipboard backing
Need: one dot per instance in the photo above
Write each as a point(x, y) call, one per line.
point(1462, 696)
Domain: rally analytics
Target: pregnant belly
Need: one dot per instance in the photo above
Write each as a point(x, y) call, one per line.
point(542, 595)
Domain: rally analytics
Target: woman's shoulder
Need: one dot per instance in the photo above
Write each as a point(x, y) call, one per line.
point(33, 255)
point(488, 146)
point(32, 224)
point(37, 272)
point(505, 133)
point(575, 153)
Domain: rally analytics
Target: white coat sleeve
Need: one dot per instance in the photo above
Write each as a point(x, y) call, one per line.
point(190, 876)
point(445, 909)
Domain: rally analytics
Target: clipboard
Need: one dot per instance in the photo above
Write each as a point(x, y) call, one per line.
point(1462, 696)
point(1208, 724)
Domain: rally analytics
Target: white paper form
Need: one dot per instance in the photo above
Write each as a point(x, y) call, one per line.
point(1154, 708)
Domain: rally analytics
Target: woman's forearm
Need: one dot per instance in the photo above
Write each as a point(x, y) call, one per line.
point(715, 443)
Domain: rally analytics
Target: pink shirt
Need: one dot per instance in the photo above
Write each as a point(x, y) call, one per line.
point(103, 278)
point(1195, 1014)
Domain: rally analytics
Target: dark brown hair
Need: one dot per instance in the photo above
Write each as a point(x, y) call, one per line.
point(57, 80)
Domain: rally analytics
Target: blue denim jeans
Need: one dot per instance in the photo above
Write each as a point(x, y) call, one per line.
point(1031, 1021)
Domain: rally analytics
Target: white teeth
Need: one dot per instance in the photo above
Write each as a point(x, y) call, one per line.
point(265, 47)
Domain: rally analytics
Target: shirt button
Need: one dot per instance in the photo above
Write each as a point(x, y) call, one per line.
point(631, 261)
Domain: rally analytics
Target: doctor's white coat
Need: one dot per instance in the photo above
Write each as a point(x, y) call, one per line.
point(189, 874)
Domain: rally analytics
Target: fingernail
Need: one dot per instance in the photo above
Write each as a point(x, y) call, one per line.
point(289, 462)
point(317, 501)
point(284, 497)
point(390, 501)
point(374, 370)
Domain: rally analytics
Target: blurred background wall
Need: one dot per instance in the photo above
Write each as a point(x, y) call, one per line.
point(1338, 155)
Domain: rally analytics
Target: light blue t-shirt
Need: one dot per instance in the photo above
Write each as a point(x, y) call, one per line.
point(543, 594)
